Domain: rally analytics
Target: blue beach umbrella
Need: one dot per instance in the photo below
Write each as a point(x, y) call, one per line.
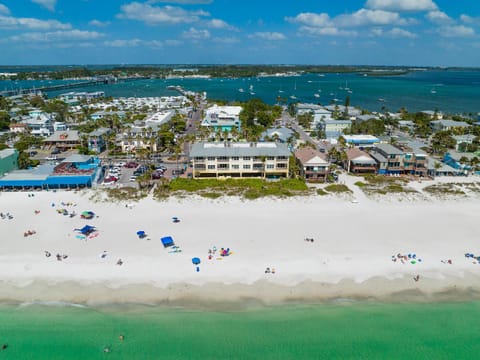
point(195, 261)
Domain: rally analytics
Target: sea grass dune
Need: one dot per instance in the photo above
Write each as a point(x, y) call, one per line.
point(302, 249)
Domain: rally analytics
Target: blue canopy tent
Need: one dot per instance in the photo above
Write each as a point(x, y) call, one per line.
point(87, 230)
point(141, 234)
point(167, 241)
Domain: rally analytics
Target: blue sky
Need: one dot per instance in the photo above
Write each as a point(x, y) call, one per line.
point(373, 32)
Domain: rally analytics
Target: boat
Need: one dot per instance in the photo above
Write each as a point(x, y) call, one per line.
point(381, 99)
point(316, 95)
point(293, 97)
point(241, 90)
point(433, 91)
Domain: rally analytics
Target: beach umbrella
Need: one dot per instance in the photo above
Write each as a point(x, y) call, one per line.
point(195, 261)
point(140, 232)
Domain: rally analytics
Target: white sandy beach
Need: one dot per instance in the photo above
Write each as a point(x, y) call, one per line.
point(351, 256)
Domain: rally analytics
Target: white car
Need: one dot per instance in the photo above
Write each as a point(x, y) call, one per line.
point(133, 178)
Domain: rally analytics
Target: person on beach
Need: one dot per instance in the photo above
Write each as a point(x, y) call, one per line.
point(47, 253)
point(416, 278)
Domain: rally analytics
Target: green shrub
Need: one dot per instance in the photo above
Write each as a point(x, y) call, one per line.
point(337, 188)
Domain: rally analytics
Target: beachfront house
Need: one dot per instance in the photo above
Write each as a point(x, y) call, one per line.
point(240, 160)
point(313, 165)
point(8, 161)
point(394, 161)
point(222, 118)
point(63, 140)
point(437, 168)
point(441, 125)
point(359, 162)
point(18, 128)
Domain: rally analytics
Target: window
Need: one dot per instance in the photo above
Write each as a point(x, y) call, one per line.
point(270, 166)
point(222, 158)
point(235, 158)
point(211, 167)
point(281, 166)
point(246, 158)
point(199, 158)
point(281, 158)
point(211, 158)
point(246, 167)
point(392, 156)
point(270, 158)
point(223, 166)
point(235, 167)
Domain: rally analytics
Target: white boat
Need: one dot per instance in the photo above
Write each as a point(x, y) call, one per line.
point(381, 99)
point(293, 97)
point(316, 95)
point(241, 90)
point(433, 91)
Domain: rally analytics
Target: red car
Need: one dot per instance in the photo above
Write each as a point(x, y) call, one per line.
point(131, 165)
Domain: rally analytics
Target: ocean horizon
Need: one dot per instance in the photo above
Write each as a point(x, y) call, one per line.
point(452, 91)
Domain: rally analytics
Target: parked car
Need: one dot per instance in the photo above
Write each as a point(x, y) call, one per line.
point(51, 157)
point(157, 175)
point(133, 178)
point(131, 165)
point(56, 151)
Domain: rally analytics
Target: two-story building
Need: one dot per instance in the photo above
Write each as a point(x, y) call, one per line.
point(222, 118)
point(8, 161)
point(239, 160)
point(333, 129)
point(63, 140)
point(139, 137)
point(97, 140)
point(314, 166)
point(392, 160)
point(359, 162)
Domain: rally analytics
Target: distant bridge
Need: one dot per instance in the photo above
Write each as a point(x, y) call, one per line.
point(33, 90)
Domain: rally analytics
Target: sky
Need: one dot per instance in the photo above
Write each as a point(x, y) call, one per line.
point(323, 32)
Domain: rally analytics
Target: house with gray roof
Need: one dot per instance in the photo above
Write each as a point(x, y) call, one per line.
point(239, 160)
point(281, 134)
point(440, 125)
point(395, 161)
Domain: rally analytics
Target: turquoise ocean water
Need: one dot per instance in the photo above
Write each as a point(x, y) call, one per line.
point(448, 91)
point(351, 331)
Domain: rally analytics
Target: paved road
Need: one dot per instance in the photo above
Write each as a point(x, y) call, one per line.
point(291, 122)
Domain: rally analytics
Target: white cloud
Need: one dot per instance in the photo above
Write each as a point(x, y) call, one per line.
point(469, 19)
point(120, 43)
point(401, 33)
point(311, 19)
point(273, 36)
point(195, 34)
point(401, 5)
point(456, 31)
point(154, 15)
point(325, 31)
point(9, 22)
point(365, 17)
point(362, 17)
point(220, 24)
point(4, 10)
point(57, 36)
point(439, 17)
point(98, 23)
point(49, 4)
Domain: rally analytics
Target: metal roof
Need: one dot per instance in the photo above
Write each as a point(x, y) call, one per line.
point(239, 149)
